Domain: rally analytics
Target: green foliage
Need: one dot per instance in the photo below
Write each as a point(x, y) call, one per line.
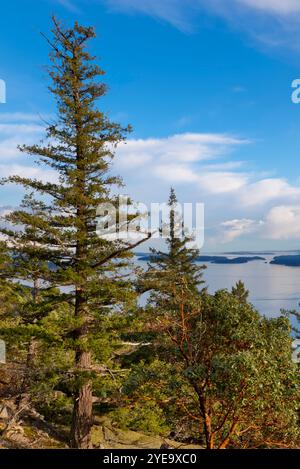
point(145, 417)
point(222, 373)
point(172, 271)
point(56, 408)
point(240, 291)
point(12, 295)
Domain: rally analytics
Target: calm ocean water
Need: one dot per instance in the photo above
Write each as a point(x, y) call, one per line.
point(271, 287)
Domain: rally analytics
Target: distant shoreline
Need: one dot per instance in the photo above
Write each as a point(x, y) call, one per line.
point(214, 259)
point(287, 260)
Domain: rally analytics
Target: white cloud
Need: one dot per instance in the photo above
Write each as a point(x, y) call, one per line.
point(175, 173)
point(178, 158)
point(18, 129)
point(34, 172)
point(70, 5)
point(5, 210)
point(282, 222)
point(227, 165)
point(200, 166)
point(286, 7)
point(180, 148)
point(185, 159)
point(13, 134)
point(195, 159)
point(210, 182)
point(176, 12)
point(274, 23)
point(185, 14)
point(233, 229)
point(216, 182)
point(266, 190)
point(18, 117)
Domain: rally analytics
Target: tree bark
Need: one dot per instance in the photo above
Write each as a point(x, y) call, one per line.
point(23, 398)
point(82, 418)
point(209, 436)
point(226, 440)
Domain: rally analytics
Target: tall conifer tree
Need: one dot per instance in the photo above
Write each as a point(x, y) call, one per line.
point(79, 148)
point(175, 272)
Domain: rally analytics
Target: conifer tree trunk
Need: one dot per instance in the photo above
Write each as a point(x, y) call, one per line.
point(82, 412)
point(82, 418)
point(23, 399)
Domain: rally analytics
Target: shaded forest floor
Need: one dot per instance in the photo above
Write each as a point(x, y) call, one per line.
point(33, 432)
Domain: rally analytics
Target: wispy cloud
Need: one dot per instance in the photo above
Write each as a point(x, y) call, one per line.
point(70, 5)
point(34, 172)
point(274, 23)
point(170, 8)
point(18, 129)
point(11, 117)
point(282, 7)
point(183, 122)
point(177, 12)
point(233, 229)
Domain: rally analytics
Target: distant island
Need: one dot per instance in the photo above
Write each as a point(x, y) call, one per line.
point(214, 259)
point(251, 253)
point(290, 260)
point(227, 260)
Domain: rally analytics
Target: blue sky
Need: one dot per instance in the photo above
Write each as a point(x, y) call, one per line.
point(207, 87)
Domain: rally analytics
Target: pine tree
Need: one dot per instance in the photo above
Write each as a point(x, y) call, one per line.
point(88, 269)
point(239, 290)
point(175, 271)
